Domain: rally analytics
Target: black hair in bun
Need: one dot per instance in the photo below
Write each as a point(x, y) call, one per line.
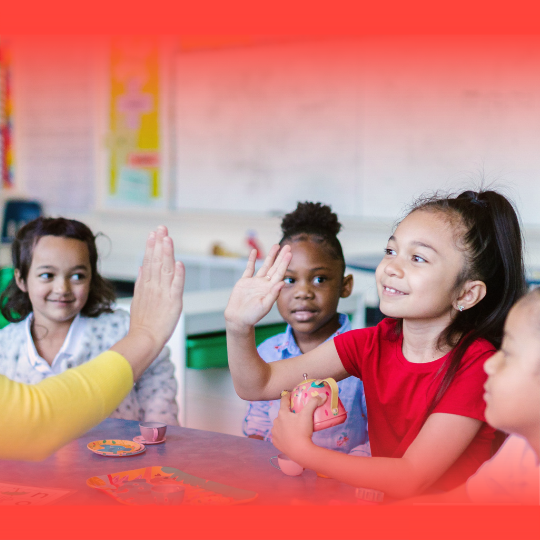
point(315, 222)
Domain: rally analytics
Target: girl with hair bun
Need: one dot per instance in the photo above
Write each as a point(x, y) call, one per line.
point(314, 283)
point(452, 269)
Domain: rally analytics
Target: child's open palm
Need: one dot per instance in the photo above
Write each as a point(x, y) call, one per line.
point(254, 294)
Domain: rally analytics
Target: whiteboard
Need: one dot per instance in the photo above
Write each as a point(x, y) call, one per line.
point(261, 128)
point(365, 125)
point(443, 112)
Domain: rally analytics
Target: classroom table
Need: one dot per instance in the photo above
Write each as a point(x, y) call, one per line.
point(227, 459)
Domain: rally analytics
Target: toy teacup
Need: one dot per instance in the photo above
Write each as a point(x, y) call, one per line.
point(331, 412)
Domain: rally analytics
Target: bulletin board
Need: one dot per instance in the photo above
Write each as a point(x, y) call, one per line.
point(6, 117)
point(135, 145)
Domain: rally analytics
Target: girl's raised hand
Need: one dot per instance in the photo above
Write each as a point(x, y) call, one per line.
point(254, 294)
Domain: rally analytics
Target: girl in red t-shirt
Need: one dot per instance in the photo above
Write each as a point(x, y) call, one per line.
point(451, 271)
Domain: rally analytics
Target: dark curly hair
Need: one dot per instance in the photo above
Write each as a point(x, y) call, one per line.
point(15, 304)
point(315, 222)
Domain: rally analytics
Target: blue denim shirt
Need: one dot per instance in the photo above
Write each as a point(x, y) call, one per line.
point(344, 437)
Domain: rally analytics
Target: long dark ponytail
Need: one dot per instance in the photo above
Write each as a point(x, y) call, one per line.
point(493, 248)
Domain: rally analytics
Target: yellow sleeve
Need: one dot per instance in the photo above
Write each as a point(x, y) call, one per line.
point(36, 420)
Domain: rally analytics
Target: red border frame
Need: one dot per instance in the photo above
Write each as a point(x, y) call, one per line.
point(270, 522)
point(285, 17)
point(294, 17)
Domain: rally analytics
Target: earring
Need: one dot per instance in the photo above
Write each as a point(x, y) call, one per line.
point(460, 307)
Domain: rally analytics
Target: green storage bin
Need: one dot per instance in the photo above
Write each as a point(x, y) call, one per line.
point(6, 275)
point(206, 351)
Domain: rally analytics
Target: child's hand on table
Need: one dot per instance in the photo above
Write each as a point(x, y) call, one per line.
point(254, 294)
point(292, 431)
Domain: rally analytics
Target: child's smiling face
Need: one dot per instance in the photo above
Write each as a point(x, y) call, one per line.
point(314, 283)
point(58, 281)
point(417, 278)
point(513, 386)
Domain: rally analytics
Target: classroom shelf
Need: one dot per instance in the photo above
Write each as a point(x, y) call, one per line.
point(210, 350)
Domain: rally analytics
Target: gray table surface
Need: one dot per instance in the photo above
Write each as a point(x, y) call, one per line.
point(227, 459)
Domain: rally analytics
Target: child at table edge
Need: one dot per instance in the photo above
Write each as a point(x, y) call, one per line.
point(40, 418)
point(315, 281)
point(453, 268)
point(93, 325)
point(512, 475)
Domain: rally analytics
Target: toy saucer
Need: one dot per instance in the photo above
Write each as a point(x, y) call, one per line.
point(116, 448)
point(139, 439)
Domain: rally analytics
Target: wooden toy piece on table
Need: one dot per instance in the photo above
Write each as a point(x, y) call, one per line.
point(134, 487)
point(331, 412)
point(19, 495)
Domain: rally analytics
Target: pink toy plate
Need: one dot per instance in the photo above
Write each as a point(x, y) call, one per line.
point(116, 448)
point(139, 439)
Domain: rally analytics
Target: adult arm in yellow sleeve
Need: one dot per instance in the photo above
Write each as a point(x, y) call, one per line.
point(36, 420)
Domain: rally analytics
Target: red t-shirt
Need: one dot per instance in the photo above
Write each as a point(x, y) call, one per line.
point(399, 392)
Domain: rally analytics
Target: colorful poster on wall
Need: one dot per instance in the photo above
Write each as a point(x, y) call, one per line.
point(136, 173)
point(6, 117)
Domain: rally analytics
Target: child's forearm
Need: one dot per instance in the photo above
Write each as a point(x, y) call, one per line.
point(250, 373)
point(395, 477)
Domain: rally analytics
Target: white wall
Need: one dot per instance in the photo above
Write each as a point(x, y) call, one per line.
point(362, 124)
point(262, 127)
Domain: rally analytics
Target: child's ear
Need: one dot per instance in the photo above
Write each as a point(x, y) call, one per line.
point(19, 280)
point(347, 286)
point(471, 293)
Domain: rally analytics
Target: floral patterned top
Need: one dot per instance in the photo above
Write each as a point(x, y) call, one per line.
point(152, 397)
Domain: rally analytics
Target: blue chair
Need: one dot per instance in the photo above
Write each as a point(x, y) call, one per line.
point(18, 212)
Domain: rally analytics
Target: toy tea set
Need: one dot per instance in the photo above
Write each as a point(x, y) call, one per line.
point(331, 413)
point(158, 485)
point(169, 486)
point(151, 433)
